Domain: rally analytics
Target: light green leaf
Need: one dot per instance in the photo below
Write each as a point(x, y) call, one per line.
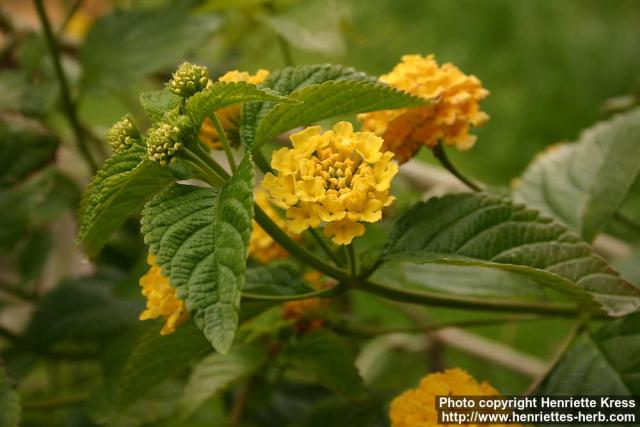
point(488, 231)
point(201, 237)
point(217, 372)
point(330, 99)
point(285, 81)
point(222, 94)
point(25, 147)
point(582, 184)
point(602, 363)
point(9, 402)
point(157, 102)
point(157, 357)
point(126, 45)
point(119, 189)
point(328, 360)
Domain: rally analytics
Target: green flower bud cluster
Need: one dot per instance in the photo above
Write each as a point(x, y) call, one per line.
point(189, 79)
point(165, 140)
point(123, 134)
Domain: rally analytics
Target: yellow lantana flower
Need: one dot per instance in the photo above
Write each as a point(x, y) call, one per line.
point(262, 247)
point(229, 116)
point(454, 107)
point(161, 299)
point(339, 177)
point(417, 407)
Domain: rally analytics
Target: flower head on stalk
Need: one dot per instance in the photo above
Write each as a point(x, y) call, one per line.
point(340, 177)
point(166, 139)
point(453, 109)
point(123, 134)
point(162, 300)
point(417, 407)
point(189, 79)
point(229, 116)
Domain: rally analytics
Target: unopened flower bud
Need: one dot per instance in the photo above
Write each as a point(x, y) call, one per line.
point(166, 139)
point(189, 79)
point(123, 134)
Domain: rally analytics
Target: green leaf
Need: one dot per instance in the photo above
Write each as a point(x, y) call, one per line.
point(582, 184)
point(601, 363)
point(119, 189)
point(222, 94)
point(159, 357)
point(276, 279)
point(157, 102)
point(9, 402)
point(25, 147)
point(126, 45)
point(330, 99)
point(217, 372)
point(287, 80)
point(488, 231)
point(329, 360)
point(79, 310)
point(14, 221)
point(200, 237)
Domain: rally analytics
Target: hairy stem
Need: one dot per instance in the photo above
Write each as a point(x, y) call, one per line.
point(225, 141)
point(67, 103)
point(353, 262)
point(440, 154)
point(322, 293)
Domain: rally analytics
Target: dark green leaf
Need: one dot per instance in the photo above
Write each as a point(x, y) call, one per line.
point(488, 231)
point(201, 237)
point(275, 280)
point(287, 80)
point(9, 402)
point(330, 99)
point(604, 363)
point(329, 360)
point(119, 189)
point(25, 147)
point(157, 102)
point(126, 45)
point(216, 372)
point(14, 220)
point(582, 184)
point(158, 357)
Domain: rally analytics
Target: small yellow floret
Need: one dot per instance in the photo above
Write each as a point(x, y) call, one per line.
point(417, 407)
point(454, 107)
point(262, 247)
point(161, 299)
point(229, 116)
point(339, 177)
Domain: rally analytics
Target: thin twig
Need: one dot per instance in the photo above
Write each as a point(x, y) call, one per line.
point(225, 141)
point(285, 50)
point(53, 403)
point(440, 154)
point(67, 103)
point(72, 11)
point(238, 405)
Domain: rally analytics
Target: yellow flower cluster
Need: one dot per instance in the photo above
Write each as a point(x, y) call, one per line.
point(229, 116)
point(338, 177)
point(454, 107)
point(161, 299)
point(417, 407)
point(262, 247)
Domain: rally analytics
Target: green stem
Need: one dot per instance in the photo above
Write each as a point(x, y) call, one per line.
point(322, 293)
point(421, 329)
point(627, 222)
point(212, 164)
point(440, 154)
point(67, 103)
point(353, 262)
point(225, 141)
point(295, 249)
point(72, 11)
point(18, 292)
point(201, 166)
point(53, 403)
point(457, 301)
point(325, 247)
point(261, 162)
point(285, 50)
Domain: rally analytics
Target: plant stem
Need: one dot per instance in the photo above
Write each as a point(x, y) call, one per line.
point(207, 173)
point(225, 141)
point(67, 103)
point(325, 247)
point(456, 301)
point(238, 405)
point(18, 292)
point(53, 403)
point(627, 222)
point(364, 331)
point(353, 262)
point(285, 50)
point(562, 348)
point(72, 11)
point(440, 154)
point(261, 162)
point(322, 293)
point(296, 250)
